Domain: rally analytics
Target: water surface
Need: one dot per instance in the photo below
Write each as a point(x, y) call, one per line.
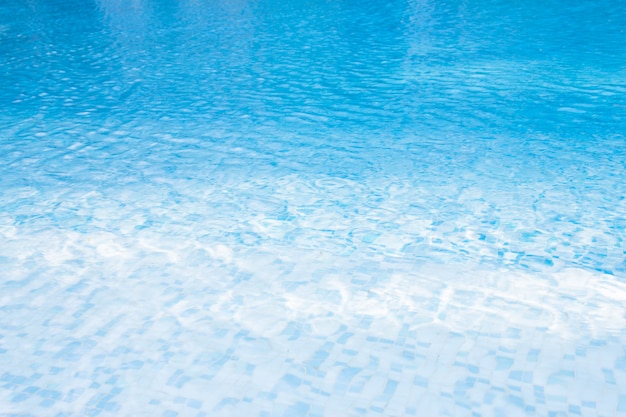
point(312, 208)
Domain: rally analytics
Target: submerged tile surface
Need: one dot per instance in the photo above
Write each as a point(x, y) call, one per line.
point(312, 209)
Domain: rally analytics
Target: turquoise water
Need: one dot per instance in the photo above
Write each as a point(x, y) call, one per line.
point(312, 208)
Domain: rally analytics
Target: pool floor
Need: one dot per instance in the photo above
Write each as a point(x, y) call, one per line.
point(312, 208)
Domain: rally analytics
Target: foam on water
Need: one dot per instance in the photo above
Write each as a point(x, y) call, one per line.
point(312, 209)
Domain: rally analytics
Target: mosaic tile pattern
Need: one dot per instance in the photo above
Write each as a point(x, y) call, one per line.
point(175, 320)
point(312, 209)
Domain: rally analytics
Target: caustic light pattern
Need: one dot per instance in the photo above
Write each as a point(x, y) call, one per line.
point(312, 208)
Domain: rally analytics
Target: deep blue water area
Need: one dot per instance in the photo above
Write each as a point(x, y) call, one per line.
point(312, 208)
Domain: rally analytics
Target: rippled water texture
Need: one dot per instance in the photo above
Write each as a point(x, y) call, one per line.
point(312, 208)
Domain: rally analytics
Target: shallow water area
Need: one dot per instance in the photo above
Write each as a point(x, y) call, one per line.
point(312, 208)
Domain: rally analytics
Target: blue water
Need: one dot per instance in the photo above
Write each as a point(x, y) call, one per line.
point(312, 208)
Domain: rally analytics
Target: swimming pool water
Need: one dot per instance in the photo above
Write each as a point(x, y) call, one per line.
point(312, 208)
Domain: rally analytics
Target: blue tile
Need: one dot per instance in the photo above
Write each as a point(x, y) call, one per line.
point(574, 410)
point(292, 380)
point(300, 409)
point(503, 363)
point(194, 404)
point(19, 397)
point(621, 406)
